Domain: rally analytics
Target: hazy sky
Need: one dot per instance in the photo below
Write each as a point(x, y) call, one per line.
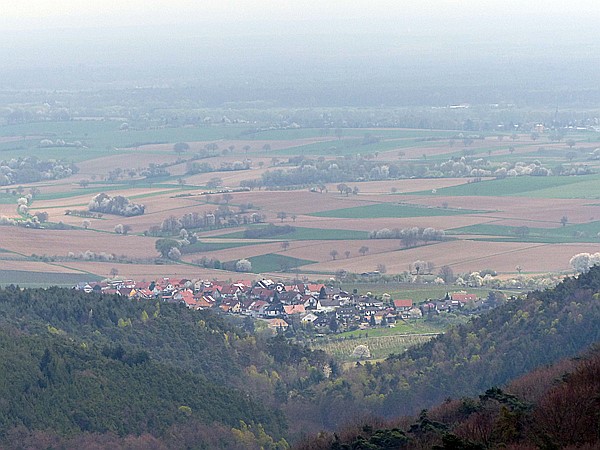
point(35, 14)
point(507, 39)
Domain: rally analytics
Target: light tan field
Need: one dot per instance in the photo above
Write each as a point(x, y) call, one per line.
point(36, 266)
point(301, 201)
point(149, 272)
point(60, 242)
point(131, 160)
point(538, 209)
point(321, 250)
point(311, 250)
point(230, 178)
point(403, 186)
point(8, 210)
point(466, 256)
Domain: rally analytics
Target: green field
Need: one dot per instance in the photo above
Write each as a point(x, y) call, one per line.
point(400, 327)
point(585, 232)
point(528, 186)
point(101, 138)
point(274, 262)
point(309, 234)
point(394, 210)
point(101, 133)
point(199, 247)
point(25, 278)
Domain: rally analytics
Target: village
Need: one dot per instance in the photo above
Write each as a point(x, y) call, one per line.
point(324, 309)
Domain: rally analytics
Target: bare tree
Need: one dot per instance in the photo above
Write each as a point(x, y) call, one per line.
point(447, 274)
point(333, 253)
point(363, 250)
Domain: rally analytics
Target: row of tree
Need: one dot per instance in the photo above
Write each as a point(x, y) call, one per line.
point(31, 169)
point(409, 236)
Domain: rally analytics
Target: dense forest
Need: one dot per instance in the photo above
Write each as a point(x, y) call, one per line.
point(75, 363)
point(553, 407)
point(490, 350)
point(79, 368)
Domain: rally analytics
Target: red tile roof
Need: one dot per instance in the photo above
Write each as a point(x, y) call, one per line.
point(294, 309)
point(404, 303)
point(463, 297)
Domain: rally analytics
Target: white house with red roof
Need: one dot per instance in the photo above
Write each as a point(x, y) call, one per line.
point(463, 297)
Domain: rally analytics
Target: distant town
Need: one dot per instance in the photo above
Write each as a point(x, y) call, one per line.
point(326, 309)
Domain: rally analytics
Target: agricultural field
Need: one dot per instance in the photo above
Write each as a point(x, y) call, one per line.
point(532, 187)
point(483, 218)
point(417, 293)
point(379, 346)
point(383, 210)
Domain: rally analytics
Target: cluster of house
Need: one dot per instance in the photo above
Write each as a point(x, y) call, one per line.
point(325, 307)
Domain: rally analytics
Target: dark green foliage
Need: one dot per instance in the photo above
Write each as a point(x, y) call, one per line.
point(50, 382)
point(452, 442)
point(384, 439)
point(503, 398)
point(108, 364)
point(189, 339)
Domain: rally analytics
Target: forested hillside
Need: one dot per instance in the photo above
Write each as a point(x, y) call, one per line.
point(81, 367)
point(552, 407)
point(54, 383)
point(491, 350)
point(77, 363)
